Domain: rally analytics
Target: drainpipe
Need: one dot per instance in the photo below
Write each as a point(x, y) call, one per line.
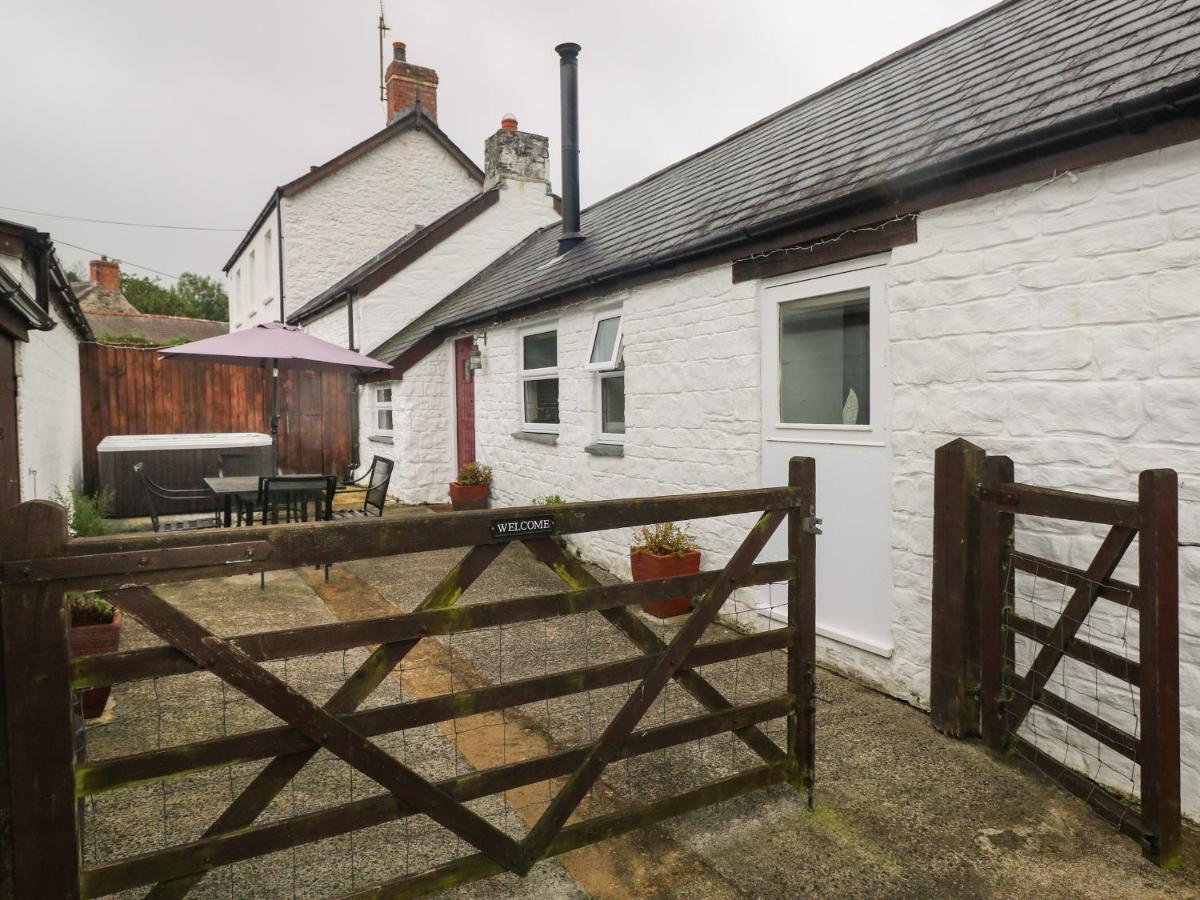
point(279, 232)
point(355, 381)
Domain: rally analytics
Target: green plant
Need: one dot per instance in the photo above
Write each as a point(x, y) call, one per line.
point(549, 500)
point(475, 473)
point(86, 513)
point(664, 539)
point(90, 609)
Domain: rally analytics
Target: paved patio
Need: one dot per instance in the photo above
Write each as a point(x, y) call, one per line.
point(900, 810)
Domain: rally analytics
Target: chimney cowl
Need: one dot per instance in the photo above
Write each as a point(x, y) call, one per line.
point(569, 87)
point(399, 51)
point(508, 122)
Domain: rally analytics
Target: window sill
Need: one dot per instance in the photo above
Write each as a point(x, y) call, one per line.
point(536, 437)
point(380, 439)
point(599, 449)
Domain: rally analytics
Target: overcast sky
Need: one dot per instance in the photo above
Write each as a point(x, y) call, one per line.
point(191, 113)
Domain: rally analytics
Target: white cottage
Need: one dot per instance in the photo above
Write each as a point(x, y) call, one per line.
point(993, 233)
point(41, 325)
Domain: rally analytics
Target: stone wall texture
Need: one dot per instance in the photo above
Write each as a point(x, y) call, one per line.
point(1058, 323)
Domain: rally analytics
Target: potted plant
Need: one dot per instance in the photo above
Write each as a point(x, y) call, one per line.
point(95, 628)
point(662, 551)
point(470, 491)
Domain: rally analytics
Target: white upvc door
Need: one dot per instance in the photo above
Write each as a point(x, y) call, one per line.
point(827, 394)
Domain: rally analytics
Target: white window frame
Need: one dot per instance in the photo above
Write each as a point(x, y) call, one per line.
point(252, 278)
point(605, 365)
point(268, 253)
point(543, 374)
point(377, 406)
point(602, 436)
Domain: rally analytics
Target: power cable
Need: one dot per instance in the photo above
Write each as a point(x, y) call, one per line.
point(33, 212)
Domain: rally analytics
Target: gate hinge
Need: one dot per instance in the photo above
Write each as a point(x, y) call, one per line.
point(811, 525)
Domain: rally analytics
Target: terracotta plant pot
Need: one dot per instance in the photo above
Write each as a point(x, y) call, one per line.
point(88, 640)
point(468, 496)
point(649, 566)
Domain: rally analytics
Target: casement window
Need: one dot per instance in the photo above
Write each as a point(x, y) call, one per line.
point(268, 253)
point(604, 357)
point(539, 380)
point(252, 280)
point(381, 408)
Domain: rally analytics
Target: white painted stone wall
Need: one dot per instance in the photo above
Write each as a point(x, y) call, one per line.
point(344, 219)
point(423, 441)
point(48, 411)
point(692, 407)
point(49, 417)
point(1058, 323)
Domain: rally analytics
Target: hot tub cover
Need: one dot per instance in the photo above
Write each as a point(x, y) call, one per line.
point(116, 443)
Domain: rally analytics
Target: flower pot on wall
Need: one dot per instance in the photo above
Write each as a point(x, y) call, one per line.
point(648, 566)
point(89, 640)
point(468, 496)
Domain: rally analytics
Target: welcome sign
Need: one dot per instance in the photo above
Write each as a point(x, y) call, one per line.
point(523, 526)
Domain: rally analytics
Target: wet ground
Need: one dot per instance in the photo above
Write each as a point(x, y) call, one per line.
point(900, 810)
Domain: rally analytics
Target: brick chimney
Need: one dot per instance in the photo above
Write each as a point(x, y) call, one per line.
point(511, 153)
point(409, 85)
point(106, 273)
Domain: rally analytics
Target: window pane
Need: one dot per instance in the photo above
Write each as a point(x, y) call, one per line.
point(541, 401)
point(824, 360)
point(612, 405)
point(383, 418)
point(383, 395)
point(541, 351)
point(606, 340)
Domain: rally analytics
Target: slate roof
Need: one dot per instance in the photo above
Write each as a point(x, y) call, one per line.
point(989, 84)
point(393, 258)
point(416, 118)
point(156, 329)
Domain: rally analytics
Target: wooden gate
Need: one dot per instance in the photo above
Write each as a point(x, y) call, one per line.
point(41, 846)
point(990, 593)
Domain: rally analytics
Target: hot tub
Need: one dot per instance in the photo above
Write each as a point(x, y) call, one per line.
point(173, 461)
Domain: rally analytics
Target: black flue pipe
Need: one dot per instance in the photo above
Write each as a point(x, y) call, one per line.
point(569, 83)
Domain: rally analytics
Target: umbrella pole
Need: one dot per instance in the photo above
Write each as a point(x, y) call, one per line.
point(275, 418)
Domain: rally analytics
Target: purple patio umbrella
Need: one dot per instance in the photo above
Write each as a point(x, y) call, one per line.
point(279, 346)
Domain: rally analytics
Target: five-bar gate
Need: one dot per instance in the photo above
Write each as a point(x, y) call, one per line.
point(40, 835)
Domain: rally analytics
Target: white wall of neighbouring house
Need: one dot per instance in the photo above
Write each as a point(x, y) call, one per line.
point(341, 221)
point(49, 412)
point(252, 282)
point(421, 443)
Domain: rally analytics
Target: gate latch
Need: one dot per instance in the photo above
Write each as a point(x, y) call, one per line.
point(811, 525)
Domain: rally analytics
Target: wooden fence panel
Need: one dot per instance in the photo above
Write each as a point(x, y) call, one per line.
point(128, 390)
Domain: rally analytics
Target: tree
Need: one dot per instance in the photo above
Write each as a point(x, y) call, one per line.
point(194, 296)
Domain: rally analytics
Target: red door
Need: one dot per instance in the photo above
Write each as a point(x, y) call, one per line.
point(10, 466)
point(464, 401)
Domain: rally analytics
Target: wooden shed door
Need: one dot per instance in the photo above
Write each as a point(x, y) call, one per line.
point(464, 402)
point(10, 464)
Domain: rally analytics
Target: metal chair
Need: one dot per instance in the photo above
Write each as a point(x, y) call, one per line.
point(373, 485)
point(152, 491)
point(294, 493)
point(233, 465)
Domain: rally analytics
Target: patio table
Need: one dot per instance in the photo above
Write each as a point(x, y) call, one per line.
point(230, 487)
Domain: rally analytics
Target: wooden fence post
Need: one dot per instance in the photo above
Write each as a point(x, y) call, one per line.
point(996, 643)
point(42, 840)
point(802, 618)
point(954, 651)
point(1158, 622)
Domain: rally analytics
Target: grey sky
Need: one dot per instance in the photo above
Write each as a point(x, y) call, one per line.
point(191, 113)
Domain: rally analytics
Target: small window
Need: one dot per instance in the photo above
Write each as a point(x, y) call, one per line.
point(606, 343)
point(825, 360)
point(268, 251)
point(252, 282)
point(382, 407)
point(612, 406)
point(539, 381)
